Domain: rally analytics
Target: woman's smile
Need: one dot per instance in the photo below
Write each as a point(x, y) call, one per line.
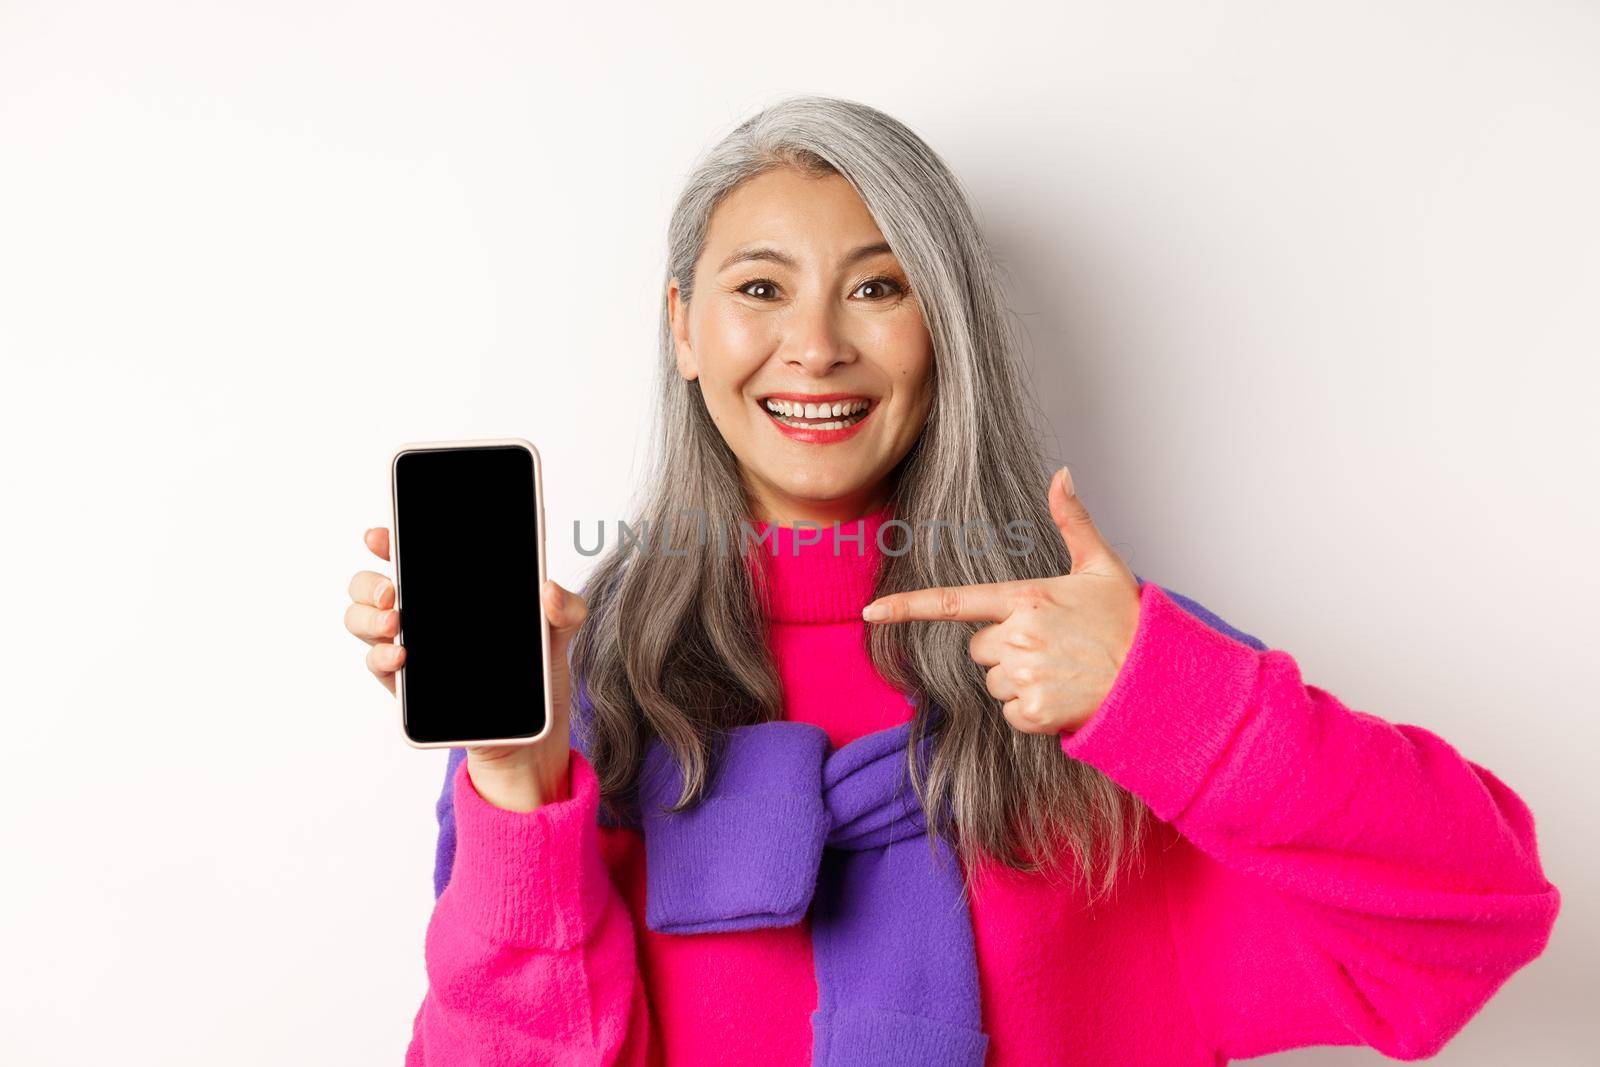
point(820, 419)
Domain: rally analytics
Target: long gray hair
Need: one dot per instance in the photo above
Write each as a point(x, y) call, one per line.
point(674, 643)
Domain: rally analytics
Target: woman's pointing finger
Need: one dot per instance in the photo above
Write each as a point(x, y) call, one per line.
point(991, 602)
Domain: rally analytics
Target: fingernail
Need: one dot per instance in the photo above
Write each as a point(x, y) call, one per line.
point(1067, 483)
point(875, 612)
point(377, 596)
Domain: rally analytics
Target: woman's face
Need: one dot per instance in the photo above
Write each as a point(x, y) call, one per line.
point(797, 297)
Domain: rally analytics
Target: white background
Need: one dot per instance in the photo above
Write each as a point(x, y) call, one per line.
point(1312, 289)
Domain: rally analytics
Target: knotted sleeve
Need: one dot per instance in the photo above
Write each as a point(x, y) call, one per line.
point(748, 854)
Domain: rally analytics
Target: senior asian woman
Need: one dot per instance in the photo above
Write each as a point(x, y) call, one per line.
point(1154, 844)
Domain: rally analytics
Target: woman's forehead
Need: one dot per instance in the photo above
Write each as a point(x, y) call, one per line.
point(793, 213)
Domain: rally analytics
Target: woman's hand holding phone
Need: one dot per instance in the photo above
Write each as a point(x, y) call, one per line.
point(513, 777)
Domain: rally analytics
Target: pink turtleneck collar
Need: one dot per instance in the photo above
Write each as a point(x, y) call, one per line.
point(813, 604)
point(808, 582)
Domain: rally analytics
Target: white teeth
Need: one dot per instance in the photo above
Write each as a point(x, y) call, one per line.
point(794, 409)
point(842, 412)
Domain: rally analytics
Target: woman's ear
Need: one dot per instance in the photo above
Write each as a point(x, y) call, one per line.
point(679, 311)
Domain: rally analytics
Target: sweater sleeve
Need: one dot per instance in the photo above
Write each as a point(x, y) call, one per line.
point(1346, 880)
point(530, 950)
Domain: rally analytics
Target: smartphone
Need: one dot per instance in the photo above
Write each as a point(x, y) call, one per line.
point(467, 544)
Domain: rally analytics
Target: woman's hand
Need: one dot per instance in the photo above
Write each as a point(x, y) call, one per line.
point(1057, 644)
point(514, 777)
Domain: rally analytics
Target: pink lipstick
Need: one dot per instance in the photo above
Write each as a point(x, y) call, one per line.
point(811, 417)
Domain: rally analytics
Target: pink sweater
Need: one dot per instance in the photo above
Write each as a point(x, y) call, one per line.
point(1318, 876)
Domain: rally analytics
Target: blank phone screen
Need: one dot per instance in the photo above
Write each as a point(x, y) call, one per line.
point(467, 564)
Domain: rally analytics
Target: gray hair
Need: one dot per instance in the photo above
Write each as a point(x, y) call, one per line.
point(673, 646)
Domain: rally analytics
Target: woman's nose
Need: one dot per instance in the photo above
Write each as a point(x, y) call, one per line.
point(816, 342)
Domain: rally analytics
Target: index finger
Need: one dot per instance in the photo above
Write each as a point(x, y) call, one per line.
point(990, 602)
point(377, 540)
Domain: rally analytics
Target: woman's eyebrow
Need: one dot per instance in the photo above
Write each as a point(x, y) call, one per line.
point(767, 252)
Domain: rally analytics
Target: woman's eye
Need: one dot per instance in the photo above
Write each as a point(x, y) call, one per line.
point(878, 288)
point(883, 286)
point(758, 284)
